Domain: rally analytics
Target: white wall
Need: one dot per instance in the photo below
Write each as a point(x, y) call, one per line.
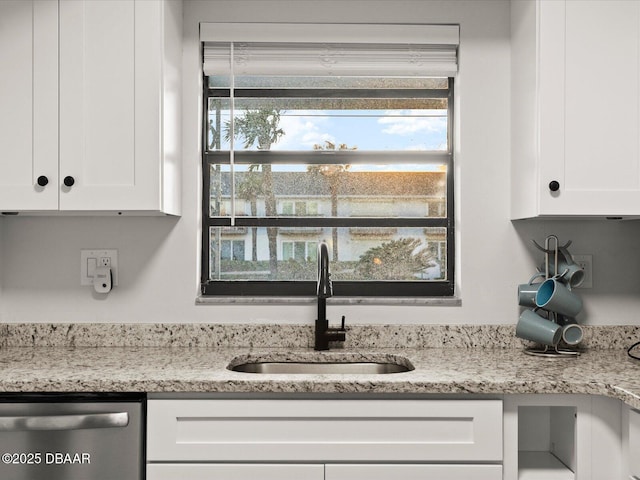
point(159, 257)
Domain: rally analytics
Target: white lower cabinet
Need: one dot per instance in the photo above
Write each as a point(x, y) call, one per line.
point(234, 472)
point(325, 439)
point(413, 472)
point(562, 437)
point(322, 472)
point(633, 448)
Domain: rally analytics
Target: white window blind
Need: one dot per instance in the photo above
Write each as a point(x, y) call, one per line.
point(331, 50)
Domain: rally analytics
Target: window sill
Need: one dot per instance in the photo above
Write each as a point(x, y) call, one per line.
point(421, 301)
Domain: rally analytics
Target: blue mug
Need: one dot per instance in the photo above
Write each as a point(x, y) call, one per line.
point(554, 296)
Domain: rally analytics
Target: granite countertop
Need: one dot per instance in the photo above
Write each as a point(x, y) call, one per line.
point(150, 369)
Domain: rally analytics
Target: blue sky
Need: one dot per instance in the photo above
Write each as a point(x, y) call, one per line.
point(370, 130)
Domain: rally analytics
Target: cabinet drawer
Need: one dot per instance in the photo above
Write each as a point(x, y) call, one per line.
point(413, 472)
point(183, 471)
point(324, 430)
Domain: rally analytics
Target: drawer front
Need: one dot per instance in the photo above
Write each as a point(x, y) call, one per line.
point(322, 472)
point(413, 472)
point(234, 472)
point(324, 430)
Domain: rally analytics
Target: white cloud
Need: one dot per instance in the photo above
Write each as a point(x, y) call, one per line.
point(302, 131)
point(408, 122)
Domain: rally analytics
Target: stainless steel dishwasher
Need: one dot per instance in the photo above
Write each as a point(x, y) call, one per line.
point(72, 437)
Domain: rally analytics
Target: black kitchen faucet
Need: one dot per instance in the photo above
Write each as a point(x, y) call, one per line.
point(324, 333)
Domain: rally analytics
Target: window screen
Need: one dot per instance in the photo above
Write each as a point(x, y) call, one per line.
point(350, 144)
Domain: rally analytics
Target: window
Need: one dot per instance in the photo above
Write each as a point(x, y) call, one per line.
point(344, 143)
point(299, 208)
point(232, 250)
point(300, 251)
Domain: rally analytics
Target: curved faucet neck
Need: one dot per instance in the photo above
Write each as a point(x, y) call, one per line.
point(324, 288)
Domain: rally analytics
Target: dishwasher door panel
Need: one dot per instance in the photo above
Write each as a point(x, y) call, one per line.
point(71, 441)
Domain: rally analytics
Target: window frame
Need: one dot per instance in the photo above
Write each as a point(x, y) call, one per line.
point(275, 288)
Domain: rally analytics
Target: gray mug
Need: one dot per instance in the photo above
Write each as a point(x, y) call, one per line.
point(535, 328)
point(568, 270)
point(527, 292)
point(572, 333)
point(554, 296)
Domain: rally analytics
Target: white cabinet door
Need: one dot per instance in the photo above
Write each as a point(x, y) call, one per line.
point(594, 155)
point(90, 117)
point(105, 66)
point(29, 105)
point(575, 108)
point(178, 471)
point(413, 472)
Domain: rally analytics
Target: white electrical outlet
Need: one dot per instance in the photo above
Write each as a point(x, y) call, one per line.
point(586, 262)
point(90, 259)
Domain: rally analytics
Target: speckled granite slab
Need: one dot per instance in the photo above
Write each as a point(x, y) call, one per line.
point(204, 370)
point(287, 336)
point(195, 358)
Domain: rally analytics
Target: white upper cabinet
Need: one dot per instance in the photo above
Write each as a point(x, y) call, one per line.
point(116, 118)
point(575, 104)
point(111, 104)
point(28, 105)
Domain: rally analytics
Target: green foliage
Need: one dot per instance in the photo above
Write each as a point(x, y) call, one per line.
point(251, 186)
point(332, 146)
point(257, 127)
point(260, 270)
point(400, 259)
point(297, 270)
point(260, 127)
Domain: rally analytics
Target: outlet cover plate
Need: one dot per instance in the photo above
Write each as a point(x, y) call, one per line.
point(99, 256)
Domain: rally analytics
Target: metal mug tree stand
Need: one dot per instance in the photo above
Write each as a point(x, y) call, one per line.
point(551, 257)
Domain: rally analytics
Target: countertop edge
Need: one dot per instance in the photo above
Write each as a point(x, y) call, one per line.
point(330, 387)
point(204, 370)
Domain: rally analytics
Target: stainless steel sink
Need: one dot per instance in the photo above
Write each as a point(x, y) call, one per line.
point(314, 367)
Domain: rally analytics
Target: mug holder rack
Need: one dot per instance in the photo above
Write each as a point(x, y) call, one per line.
point(551, 254)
